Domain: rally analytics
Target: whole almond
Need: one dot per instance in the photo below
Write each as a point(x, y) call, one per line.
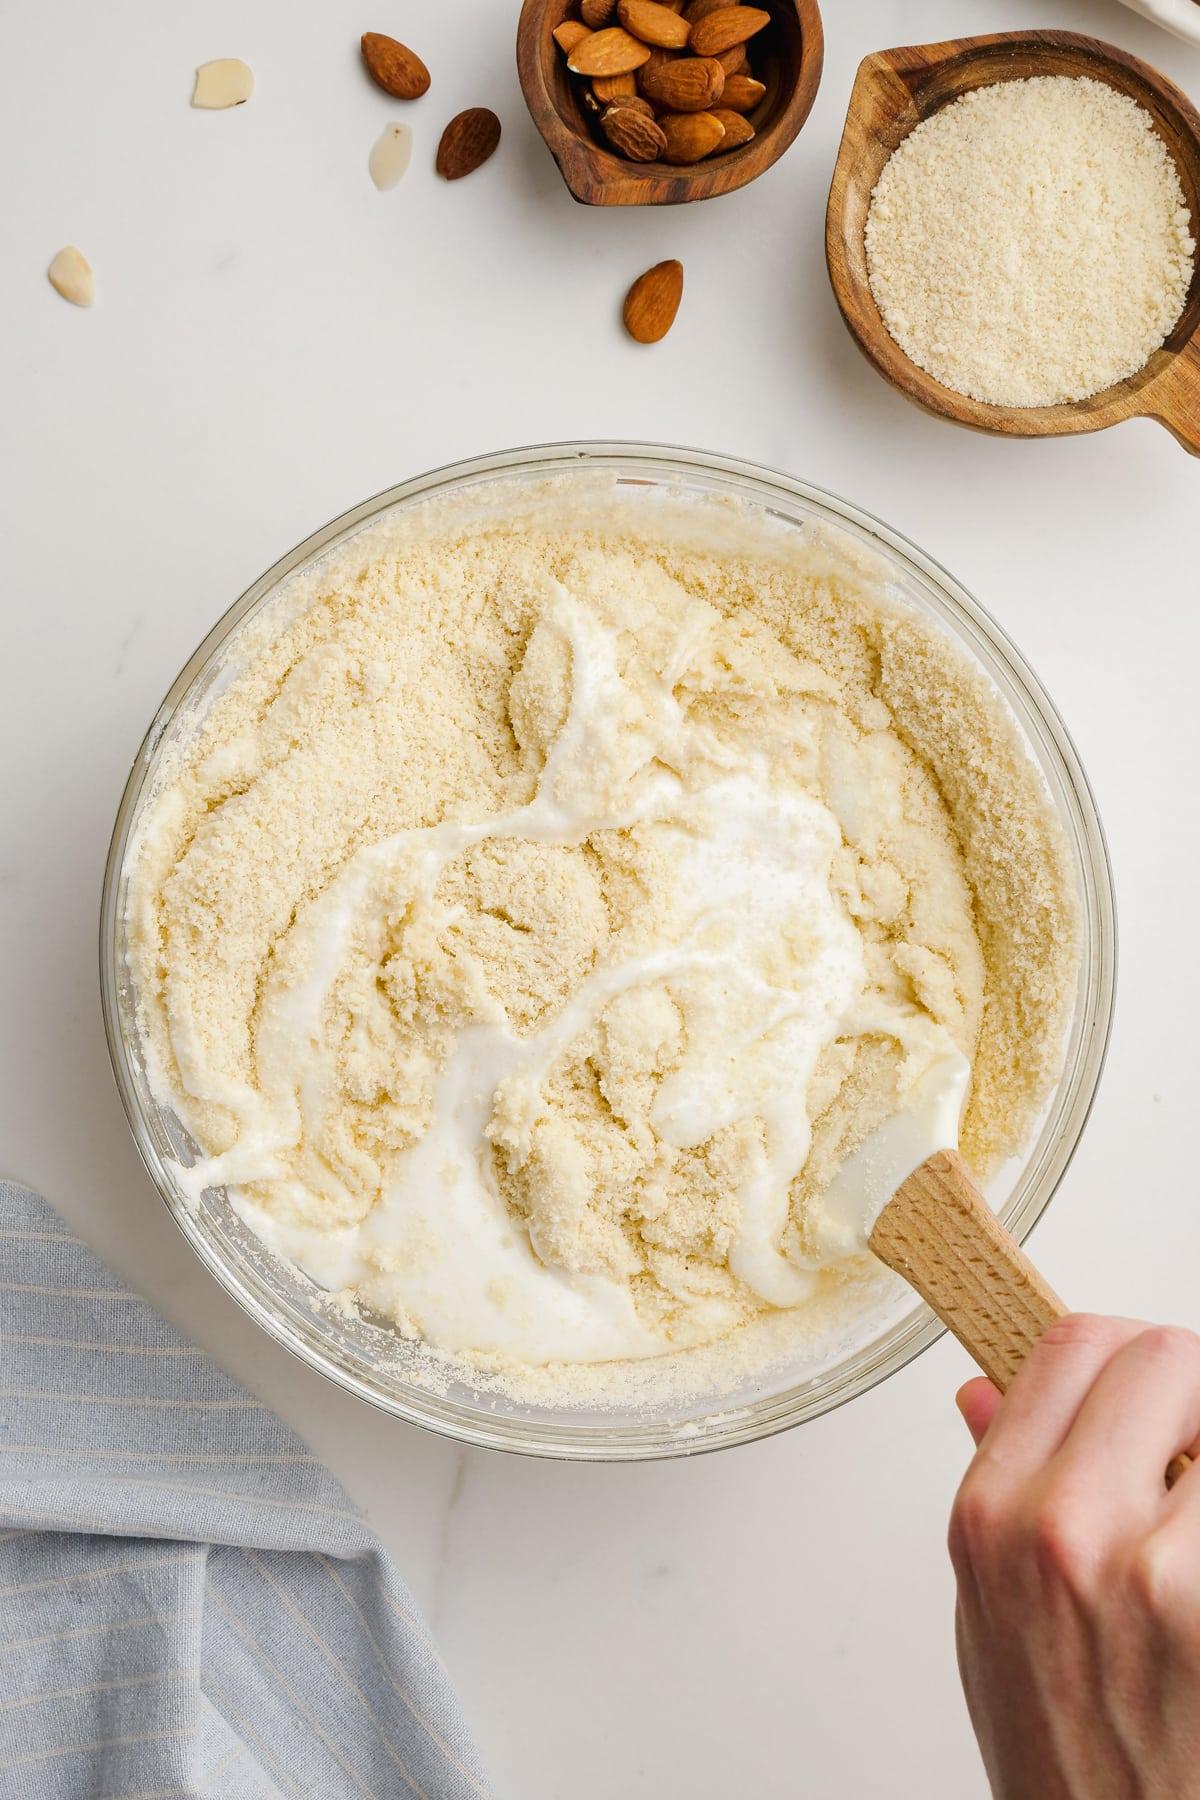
point(738, 130)
point(596, 13)
point(700, 9)
point(742, 94)
point(635, 103)
point(690, 84)
point(727, 26)
point(653, 301)
point(734, 61)
point(615, 87)
point(611, 52)
point(654, 24)
point(658, 59)
point(395, 68)
point(691, 136)
point(568, 34)
point(467, 142)
point(633, 134)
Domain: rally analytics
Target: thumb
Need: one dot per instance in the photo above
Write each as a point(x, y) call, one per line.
point(977, 1401)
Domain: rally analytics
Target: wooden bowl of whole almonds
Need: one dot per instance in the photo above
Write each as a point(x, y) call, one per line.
point(654, 102)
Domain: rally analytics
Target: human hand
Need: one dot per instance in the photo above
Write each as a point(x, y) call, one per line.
point(1078, 1619)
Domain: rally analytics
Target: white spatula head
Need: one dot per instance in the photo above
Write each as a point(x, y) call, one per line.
point(871, 1174)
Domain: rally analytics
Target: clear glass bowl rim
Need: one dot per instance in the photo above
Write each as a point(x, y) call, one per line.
point(629, 1441)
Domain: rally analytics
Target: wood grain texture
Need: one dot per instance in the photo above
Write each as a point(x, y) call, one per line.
point(940, 1234)
point(789, 54)
point(893, 91)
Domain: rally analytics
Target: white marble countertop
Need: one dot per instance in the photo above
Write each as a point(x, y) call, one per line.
point(273, 341)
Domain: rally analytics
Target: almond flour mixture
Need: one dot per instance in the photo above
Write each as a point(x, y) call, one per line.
point(557, 893)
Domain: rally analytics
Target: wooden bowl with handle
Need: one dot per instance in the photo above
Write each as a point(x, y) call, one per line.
point(895, 90)
point(787, 57)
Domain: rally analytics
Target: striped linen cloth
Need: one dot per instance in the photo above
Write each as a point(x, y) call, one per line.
point(189, 1604)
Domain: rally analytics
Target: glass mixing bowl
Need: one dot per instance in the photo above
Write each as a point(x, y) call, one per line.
point(363, 1357)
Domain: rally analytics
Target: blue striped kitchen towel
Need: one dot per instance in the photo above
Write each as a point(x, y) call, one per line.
point(189, 1604)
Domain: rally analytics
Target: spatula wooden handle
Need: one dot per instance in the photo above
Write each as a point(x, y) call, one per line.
point(939, 1232)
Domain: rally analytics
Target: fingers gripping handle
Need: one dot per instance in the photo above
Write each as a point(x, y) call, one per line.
point(939, 1233)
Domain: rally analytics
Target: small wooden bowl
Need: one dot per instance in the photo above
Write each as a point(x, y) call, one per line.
point(892, 93)
point(787, 58)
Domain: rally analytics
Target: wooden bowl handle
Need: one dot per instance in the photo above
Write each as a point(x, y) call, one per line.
point(1175, 397)
point(939, 1232)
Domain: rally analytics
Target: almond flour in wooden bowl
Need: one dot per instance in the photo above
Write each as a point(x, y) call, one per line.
point(1030, 243)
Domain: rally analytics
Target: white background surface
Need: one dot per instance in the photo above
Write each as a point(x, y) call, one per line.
point(275, 340)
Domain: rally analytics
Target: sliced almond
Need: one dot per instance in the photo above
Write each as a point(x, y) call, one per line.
point(227, 82)
point(654, 24)
point(734, 61)
point(395, 68)
point(615, 87)
point(568, 34)
point(691, 136)
point(597, 13)
point(390, 155)
point(742, 93)
point(633, 134)
point(690, 84)
point(727, 26)
point(653, 301)
point(738, 129)
point(611, 52)
point(70, 274)
point(467, 142)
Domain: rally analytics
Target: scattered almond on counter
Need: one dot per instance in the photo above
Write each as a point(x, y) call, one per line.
point(653, 301)
point(226, 82)
point(395, 68)
point(390, 155)
point(674, 59)
point(70, 274)
point(467, 142)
